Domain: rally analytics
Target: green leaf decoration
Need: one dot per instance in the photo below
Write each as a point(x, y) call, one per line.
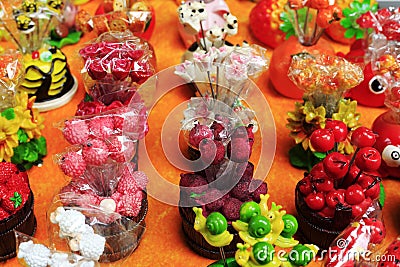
point(351, 14)
point(32, 154)
point(17, 199)
point(319, 155)
point(194, 195)
point(382, 195)
point(41, 145)
point(19, 152)
point(9, 114)
point(72, 38)
point(22, 136)
point(87, 98)
point(287, 26)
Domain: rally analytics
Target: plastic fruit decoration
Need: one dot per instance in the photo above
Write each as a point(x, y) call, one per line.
point(309, 19)
point(347, 30)
point(321, 123)
point(265, 22)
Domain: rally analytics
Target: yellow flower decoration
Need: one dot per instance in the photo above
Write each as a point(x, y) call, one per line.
point(8, 138)
point(31, 121)
point(347, 113)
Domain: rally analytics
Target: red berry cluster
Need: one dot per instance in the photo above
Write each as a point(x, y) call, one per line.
point(341, 180)
point(197, 187)
point(117, 61)
point(210, 142)
point(14, 189)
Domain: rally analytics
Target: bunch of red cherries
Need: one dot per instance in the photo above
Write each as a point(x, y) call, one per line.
point(341, 179)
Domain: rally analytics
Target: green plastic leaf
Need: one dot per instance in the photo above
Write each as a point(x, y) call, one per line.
point(18, 157)
point(287, 26)
point(22, 136)
point(349, 33)
point(320, 155)
point(359, 34)
point(72, 38)
point(346, 23)
point(87, 98)
point(41, 145)
point(298, 156)
point(382, 195)
point(9, 114)
point(32, 154)
point(230, 262)
point(347, 12)
point(16, 199)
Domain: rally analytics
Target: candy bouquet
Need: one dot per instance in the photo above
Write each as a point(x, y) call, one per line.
point(103, 178)
point(120, 15)
point(312, 125)
point(47, 75)
point(114, 65)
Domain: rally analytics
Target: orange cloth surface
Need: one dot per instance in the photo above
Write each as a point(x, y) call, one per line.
point(163, 243)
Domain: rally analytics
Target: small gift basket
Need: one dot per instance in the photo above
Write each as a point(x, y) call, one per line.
point(116, 63)
point(47, 75)
point(219, 133)
point(16, 208)
point(31, 252)
point(95, 228)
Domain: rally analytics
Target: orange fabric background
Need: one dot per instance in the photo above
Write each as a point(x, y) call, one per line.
point(163, 243)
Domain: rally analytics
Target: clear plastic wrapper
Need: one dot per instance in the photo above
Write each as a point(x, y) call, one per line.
point(30, 252)
point(324, 78)
point(358, 241)
point(114, 62)
point(10, 76)
point(29, 22)
point(96, 231)
point(129, 122)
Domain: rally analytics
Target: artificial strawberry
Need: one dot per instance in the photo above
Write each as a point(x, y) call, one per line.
point(101, 127)
point(95, 152)
point(76, 131)
point(265, 20)
point(6, 170)
point(12, 202)
point(130, 205)
point(121, 149)
point(127, 184)
point(17, 182)
point(72, 164)
point(141, 179)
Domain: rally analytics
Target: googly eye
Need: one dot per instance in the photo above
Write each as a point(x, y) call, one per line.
point(378, 84)
point(391, 156)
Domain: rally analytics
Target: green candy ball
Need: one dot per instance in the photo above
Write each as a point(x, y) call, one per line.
point(290, 225)
point(216, 223)
point(248, 210)
point(263, 252)
point(301, 255)
point(259, 226)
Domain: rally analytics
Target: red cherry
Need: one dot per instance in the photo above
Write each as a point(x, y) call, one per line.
point(339, 129)
point(354, 194)
point(322, 140)
point(336, 165)
point(35, 54)
point(371, 185)
point(318, 170)
point(363, 137)
point(368, 159)
point(350, 176)
point(305, 186)
point(323, 184)
point(334, 197)
point(360, 209)
point(377, 231)
point(327, 212)
point(315, 201)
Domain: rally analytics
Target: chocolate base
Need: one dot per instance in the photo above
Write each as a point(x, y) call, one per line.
point(23, 221)
point(319, 230)
point(197, 242)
